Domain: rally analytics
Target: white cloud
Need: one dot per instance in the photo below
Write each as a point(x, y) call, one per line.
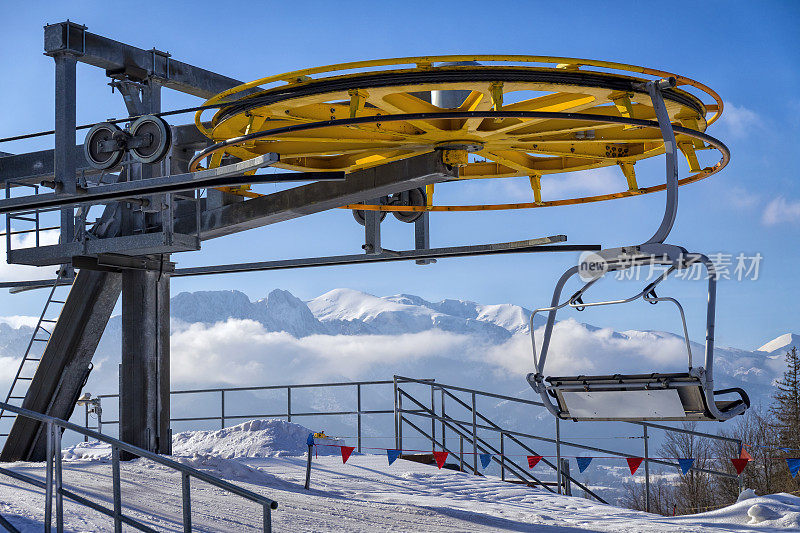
point(567, 185)
point(242, 352)
point(575, 349)
point(583, 183)
point(739, 121)
point(16, 321)
point(781, 210)
point(741, 198)
point(24, 272)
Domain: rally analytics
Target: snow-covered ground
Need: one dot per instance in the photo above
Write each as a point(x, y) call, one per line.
point(365, 494)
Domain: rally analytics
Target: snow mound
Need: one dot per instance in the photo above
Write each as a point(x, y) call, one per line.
point(87, 451)
point(254, 438)
point(776, 511)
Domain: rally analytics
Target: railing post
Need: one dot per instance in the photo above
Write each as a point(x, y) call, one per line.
point(59, 485)
point(117, 491)
point(48, 491)
point(444, 433)
point(740, 477)
point(288, 404)
point(400, 418)
point(474, 437)
point(267, 518)
point(646, 471)
point(396, 421)
point(433, 419)
point(358, 401)
point(565, 477)
point(558, 453)
point(502, 456)
point(86, 420)
point(461, 451)
point(222, 409)
point(187, 503)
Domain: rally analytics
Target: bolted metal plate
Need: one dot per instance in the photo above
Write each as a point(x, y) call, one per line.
point(640, 404)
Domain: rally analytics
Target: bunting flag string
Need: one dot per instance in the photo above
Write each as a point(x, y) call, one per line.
point(633, 463)
point(684, 463)
point(583, 463)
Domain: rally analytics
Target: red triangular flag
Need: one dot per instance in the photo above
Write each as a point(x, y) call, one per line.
point(440, 457)
point(633, 464)
point(739, 464)
point(346, 451)
point(744, 455)
point(533, 460)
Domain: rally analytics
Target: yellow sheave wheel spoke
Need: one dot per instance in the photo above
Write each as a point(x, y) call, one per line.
point(519, 146)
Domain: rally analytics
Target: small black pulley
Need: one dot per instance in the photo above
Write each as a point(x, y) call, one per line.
point(413, 197)
point(151, 139)
point(361, 216)
point(105, 145)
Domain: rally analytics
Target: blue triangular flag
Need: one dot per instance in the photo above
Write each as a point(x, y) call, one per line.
point(310, 439)
point(392, 455)
point(685, 464)
point(486, 458)
point(583, 463)
point(794, 465)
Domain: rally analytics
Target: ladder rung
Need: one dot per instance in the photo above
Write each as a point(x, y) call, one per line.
point(41, 340)
point(31, 359)
point(25, 379)
point(57, 302)
point(49, 320)
point(16, 397)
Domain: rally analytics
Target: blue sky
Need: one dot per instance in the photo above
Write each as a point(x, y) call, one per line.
point(747, 52)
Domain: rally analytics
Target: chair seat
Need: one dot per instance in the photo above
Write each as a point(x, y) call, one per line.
point(636, 397)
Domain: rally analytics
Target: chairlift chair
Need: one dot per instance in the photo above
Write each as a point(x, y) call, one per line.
point(629, 397)
point(658, 396)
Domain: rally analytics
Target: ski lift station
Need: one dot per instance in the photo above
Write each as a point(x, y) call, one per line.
point(375, 138)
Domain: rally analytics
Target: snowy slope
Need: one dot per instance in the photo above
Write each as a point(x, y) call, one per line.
point(366, 494)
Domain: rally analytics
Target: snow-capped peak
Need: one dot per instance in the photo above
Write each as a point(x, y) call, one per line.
point(782, 342)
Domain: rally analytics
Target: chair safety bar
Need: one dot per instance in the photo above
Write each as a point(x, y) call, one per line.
point(704, 375)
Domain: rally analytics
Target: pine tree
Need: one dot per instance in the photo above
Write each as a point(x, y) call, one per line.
point(785, 411)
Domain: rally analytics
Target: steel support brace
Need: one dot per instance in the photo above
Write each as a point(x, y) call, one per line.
point(144, 373)
point(64, 154)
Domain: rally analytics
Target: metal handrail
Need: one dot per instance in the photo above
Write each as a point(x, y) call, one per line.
point(53, 485)
point(403, 379)
point(490, 426)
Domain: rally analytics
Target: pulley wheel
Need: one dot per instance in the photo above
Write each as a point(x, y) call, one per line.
point(96, 155)
point(361, 218)
point(160, 139)
point(416, 197)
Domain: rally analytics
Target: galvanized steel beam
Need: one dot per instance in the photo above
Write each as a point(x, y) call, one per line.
point(133, 62)
point(358, 186)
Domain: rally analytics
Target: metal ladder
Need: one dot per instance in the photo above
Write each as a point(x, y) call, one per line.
point(39, 338)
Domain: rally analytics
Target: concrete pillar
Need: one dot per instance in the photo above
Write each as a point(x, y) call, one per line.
point(144, 372)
